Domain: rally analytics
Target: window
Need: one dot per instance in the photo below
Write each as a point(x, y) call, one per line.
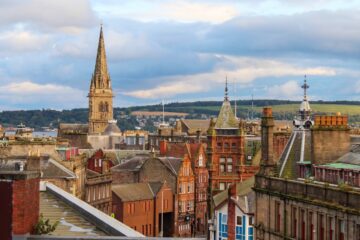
point(341, 227)
point(302, 224)
point(331, 228)
point(222, 186)
point(311, 226)
point(219, 144)
point(293, 222)
point(321, 227)
point(226, 145)
point(223, 228)
point(357, 234)
point(189, 187)
point(233, 145)
point(239, 220)
point(229, 168)
point(201, 160)
point(180, 188)
point(251, 221)
point(222, 164)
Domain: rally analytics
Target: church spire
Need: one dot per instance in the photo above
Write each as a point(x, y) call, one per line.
point(101, 76)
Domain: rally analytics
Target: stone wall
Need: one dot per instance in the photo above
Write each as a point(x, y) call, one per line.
point(313, 200)
point(328, 144)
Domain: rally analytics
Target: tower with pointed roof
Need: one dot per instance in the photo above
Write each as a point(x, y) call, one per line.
point(100, 94)
point(226, 144)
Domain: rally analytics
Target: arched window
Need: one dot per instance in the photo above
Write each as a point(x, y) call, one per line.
point(101, 107)
point(106, 107)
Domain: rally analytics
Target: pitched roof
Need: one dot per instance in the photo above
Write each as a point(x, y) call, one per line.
point(54, 169)
point(226, 118)
point(196, 124)
point(242, 189)
point(133, 191)
point(155, 187)
point(133, 164)
point(49, 167)
point(174, 164)
point(71, 222)
point(294, 153)
point(178, 150)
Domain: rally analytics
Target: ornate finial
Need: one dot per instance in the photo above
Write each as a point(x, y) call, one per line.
point(226, 90)
point(305, 86)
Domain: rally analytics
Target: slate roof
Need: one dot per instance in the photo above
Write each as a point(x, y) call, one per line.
point(53, 169)
point(196, 124)
point(172, 163)
point(177, 150)
point(226, 118)
point(294, 152)
point(133, 164)
point(242, 189)
point(136, 191)
point(155, 187)
point(71, 222)
point(49, 167)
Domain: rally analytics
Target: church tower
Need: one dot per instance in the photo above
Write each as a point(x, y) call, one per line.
point(100, 94)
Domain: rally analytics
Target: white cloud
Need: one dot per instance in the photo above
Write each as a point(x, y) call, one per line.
point(243, 70)
point(23, 41)
point(67, 15)
point(42, 95)
point(176, 10)
point(287, 90)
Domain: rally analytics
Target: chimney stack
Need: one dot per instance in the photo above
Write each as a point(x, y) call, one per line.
point(267, 166)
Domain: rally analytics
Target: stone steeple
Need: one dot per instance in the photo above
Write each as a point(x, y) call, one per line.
point(100, 94)
point(101, 77)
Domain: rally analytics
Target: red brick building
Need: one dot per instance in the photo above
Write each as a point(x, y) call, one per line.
point(145, 207)
point(19, 201)
point(98, 182)
point(97, 160)
point(197, 154)
point(226, 141)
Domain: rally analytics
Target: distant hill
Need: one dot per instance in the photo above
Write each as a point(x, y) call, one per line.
point(283, 109)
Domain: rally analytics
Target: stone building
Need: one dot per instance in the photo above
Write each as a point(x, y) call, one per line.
point(100, 109)
point(100, 94)
point(146, 207)
point(289, 203)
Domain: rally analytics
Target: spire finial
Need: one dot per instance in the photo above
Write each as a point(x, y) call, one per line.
point(305, 86)
point(226, 89)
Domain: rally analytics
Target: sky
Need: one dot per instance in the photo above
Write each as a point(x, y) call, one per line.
point(178, 50)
